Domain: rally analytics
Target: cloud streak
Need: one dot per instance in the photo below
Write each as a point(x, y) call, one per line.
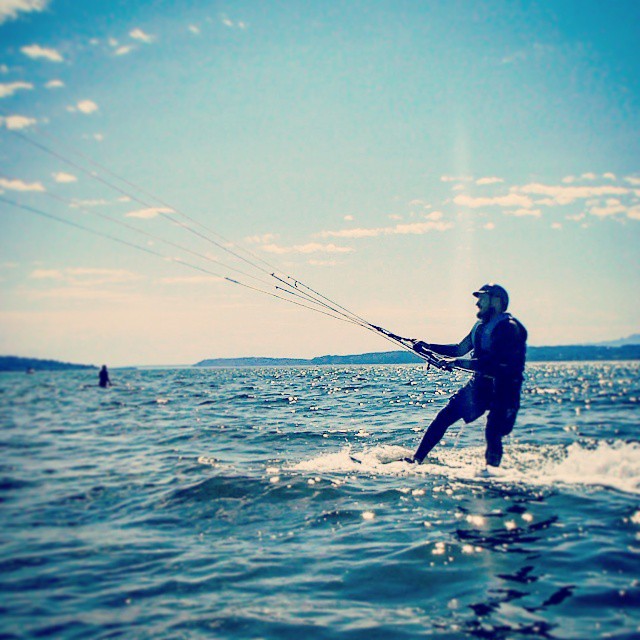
point(412, 228)
point(19, 185)
point(7, 90)
point(17, 122)
point(10, 9)
point(35, 52)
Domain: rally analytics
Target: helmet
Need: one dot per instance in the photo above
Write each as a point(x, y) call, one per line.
point(494, 290)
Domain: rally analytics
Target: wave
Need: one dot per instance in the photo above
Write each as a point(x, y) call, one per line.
point(615, 466)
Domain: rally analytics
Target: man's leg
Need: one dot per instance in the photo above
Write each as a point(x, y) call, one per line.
point(500, 423)
point(447, 416)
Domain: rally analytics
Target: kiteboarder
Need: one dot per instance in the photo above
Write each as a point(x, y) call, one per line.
point(498, 342)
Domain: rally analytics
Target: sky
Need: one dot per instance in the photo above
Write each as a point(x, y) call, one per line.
point(392, 155)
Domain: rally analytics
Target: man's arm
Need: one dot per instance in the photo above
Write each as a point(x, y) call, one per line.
point(449, 350)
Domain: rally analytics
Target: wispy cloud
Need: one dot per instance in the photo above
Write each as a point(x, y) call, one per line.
point(265, 238)
point(311, 247)
point(611, 207)
point(140, 35)
point(64, 177)
point(98, 202)
point(35, 51)
point(124, 50)
point(85, 276)
point(20, 185)
point(238, 24)
point(413, 228)
point(561, 195)
point(489, 180)
point(10, 88)
point(10, 9)
point(84, 106)
point(16, 122)
point(194, 29)
point(54, 84)
point(146, 214)
point(456, 178)
point(509, 200)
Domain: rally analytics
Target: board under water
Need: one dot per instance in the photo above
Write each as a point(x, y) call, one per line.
point(225, 503)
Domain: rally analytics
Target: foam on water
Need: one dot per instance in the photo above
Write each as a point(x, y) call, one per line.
point(616, 466)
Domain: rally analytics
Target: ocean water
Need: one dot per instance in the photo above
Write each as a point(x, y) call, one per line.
point(224, 503)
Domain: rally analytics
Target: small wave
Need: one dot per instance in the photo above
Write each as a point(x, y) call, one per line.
point(608, 465)
point(615, 466)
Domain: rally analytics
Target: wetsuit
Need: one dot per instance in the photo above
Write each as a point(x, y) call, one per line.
point(499, 347)
point(103, 378)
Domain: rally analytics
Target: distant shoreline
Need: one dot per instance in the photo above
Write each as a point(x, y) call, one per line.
point(567, 353)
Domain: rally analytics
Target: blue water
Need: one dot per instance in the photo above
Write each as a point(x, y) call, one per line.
point(224, 504)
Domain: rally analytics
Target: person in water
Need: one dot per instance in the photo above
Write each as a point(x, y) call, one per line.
point(103, 377)
point(498, 342)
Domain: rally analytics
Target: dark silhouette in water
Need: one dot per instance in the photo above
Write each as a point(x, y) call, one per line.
point(498, 342)
point(103, 377)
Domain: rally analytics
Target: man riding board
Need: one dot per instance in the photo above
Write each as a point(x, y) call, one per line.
point(498, 343)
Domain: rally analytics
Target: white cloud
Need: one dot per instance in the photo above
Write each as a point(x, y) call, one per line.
point(322, 263)
point(19, 185)
point(434, 215)
point(85, 276)
point(413, 228)
point(559, 195)
point(54, 84)
point(139, 34)
point(87, 106)
point(88, 203)
point(556, 225)
point(588, 176)
point(510, 200)
point(489, 180)
point(194, 29)
point(456, 178)
point(489, 226)
point(35, 51)
point(634, 212)
point(611, 208)
point(536, 213)
point(122, 51)
point(146, 214)
point(609, 176)
point(348, 218)
point(10, 88)
point(15, 123)
point(64, 177)
point(9, 9)
point(311, 247)
point(633, 180)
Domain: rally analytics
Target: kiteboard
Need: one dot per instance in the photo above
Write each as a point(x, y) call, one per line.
point(382, 455)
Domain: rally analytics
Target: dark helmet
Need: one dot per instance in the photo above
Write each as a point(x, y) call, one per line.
point(494, 290)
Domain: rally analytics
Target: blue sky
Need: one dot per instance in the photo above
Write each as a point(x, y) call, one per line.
point(393, 155)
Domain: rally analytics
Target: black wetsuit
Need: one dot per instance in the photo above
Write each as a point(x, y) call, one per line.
point(499, 348)
point(103, 378)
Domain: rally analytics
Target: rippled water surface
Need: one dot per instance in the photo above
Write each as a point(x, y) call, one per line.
point(225, 504)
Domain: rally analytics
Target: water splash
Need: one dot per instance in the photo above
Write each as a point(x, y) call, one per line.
point(616, 466)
